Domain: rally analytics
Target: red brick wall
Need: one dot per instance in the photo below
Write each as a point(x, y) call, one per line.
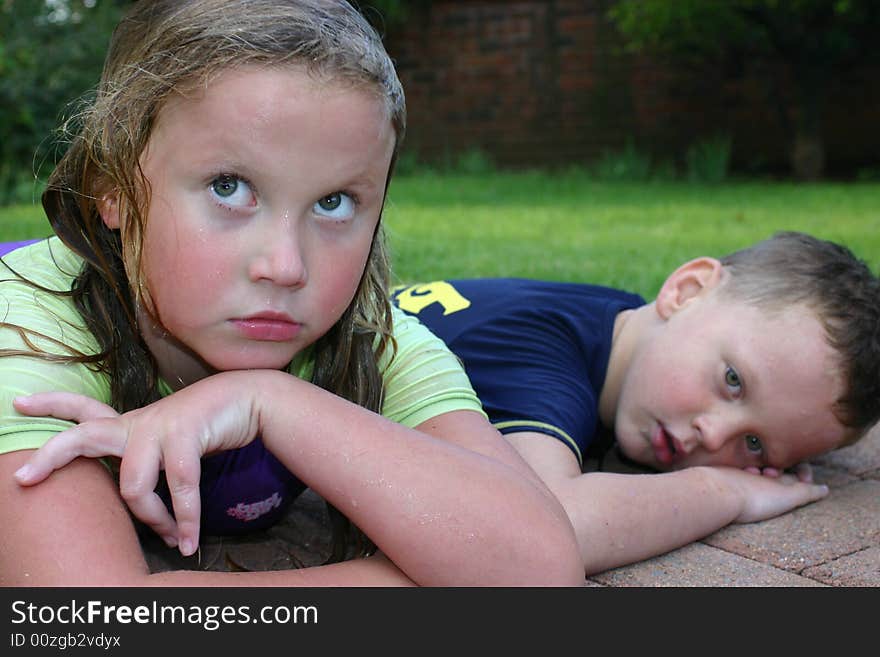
point(545, 82)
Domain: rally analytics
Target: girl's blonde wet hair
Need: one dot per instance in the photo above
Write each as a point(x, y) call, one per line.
point(167, 48)
point(163, 49)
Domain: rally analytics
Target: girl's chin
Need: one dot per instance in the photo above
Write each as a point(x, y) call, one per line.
point(253, 361)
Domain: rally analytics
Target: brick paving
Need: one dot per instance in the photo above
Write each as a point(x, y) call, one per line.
point(833, 542)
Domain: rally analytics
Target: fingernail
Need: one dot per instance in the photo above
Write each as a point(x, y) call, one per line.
point(170, 541)
point(23, 472)
point(186, 547)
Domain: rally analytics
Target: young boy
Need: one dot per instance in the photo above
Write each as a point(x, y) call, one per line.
point(742, 367)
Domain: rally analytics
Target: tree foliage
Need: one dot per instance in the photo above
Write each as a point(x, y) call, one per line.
point(384, 14)
point(51, 53)
point(816, 40)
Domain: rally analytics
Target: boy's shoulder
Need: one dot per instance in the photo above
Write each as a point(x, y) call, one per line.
point(496, 296)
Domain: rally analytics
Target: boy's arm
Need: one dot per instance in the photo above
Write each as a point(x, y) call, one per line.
point(624, 518)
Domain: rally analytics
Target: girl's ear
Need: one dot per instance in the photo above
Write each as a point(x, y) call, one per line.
point(686, 283)
point(108, 208)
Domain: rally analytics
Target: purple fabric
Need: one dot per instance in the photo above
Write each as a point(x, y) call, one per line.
point(6, 247)
point(244, 490)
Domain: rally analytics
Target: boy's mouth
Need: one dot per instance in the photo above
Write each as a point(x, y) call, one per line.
point(664, 445)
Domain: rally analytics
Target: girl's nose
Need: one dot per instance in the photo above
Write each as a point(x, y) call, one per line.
point(280, 258)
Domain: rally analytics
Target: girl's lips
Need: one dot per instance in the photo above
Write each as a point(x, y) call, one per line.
point(268, 327)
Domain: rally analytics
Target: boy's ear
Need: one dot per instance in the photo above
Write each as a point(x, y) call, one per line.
point(108, 208)
point(687, 283)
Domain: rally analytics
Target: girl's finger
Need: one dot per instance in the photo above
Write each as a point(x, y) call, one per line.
point(138, 476)
point(93, 439)
point(63, 405)
point(182, 472)
point(150, 509)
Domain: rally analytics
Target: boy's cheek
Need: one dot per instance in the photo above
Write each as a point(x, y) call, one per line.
point(633, 447)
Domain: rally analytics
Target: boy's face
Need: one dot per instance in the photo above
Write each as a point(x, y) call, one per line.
point(722, 382)
point(266, 193)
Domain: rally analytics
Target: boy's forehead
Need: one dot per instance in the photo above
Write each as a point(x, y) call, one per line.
point(796, 446)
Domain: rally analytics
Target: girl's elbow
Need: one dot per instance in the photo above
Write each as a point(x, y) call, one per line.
point(564, 564)
point(553, 555)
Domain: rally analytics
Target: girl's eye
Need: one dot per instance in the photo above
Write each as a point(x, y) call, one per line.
point(338, 206)
point(732, 381)
point(753, 444)
point(232, 191)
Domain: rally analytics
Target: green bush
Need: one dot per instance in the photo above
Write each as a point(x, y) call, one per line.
point(626, 165)
point(708, 160)
point(473, 161)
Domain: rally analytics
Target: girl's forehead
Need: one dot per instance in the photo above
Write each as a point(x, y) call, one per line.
point(314, 81)
point(253, 118)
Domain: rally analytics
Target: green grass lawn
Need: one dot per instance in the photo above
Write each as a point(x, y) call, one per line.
point(569, 227)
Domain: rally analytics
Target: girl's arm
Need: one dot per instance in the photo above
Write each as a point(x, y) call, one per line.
point(449, 503)
point(74, 530)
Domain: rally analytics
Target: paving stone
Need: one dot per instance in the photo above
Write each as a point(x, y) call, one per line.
point(835, 541)
point(859, 569)
point(832, 477)
point(846, 521)
point(699, 565)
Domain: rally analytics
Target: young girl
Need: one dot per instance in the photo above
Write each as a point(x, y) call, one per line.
point(219, 271)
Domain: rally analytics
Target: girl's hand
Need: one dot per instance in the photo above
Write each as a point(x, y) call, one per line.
point(172, 433)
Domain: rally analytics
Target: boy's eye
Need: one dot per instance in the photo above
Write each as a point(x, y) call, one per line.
point(732, 380)
point(233, 191)
point(753, 444)
point(337, 206)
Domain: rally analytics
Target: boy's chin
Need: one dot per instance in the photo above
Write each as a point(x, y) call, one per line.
point(640, 458)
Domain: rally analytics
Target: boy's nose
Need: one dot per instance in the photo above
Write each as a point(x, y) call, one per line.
point(711, 433)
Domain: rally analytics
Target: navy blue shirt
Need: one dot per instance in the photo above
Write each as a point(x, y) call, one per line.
point(536, 352)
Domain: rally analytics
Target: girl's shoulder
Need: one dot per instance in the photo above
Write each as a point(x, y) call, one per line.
point(31, 278)
point(47, 262)
point(410, 334)
point(422, 377)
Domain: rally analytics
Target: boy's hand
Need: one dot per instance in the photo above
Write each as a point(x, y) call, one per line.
point(172, 433)
point(767, 495)
point(803, 471)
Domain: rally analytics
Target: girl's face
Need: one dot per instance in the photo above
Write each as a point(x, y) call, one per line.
point(266, 191)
